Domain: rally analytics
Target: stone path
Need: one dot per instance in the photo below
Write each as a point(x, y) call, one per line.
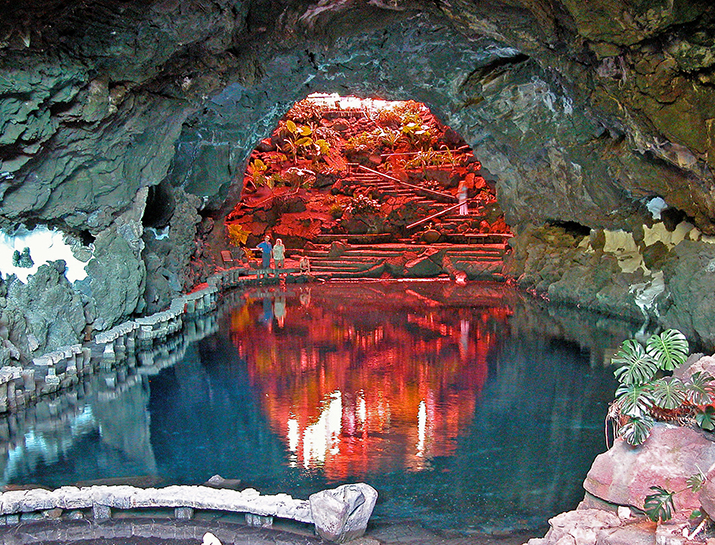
point(162, 532)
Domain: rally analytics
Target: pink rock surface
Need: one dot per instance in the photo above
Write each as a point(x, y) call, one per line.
point(624, 474)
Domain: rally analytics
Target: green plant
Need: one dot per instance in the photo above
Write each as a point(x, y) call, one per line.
point(300, 142)
point(361, 205)
point(305, 111)
point(648, 393)
point(257, 171)
point(237, 235)
point(390, 138)
point(419, 134)
point(659, 506)
point(364, 142)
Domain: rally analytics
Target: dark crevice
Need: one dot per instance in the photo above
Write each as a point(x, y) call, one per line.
point(160, 206)
point(573, 228)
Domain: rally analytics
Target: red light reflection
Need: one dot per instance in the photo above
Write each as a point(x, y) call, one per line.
point(355, 385)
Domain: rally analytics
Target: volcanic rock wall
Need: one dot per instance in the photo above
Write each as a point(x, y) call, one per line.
point(116, 116)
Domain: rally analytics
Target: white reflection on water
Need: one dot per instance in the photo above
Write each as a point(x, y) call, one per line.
point(324, 435)
point(45, 447)
point(421, 428)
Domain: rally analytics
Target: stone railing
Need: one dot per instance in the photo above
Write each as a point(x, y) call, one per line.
point(125, 344)
point(338, 514)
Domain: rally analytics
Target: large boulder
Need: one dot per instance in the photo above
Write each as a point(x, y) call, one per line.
point(624, 474)
point(342, 514)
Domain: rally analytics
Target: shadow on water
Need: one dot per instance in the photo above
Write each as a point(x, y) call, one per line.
point(470, 409)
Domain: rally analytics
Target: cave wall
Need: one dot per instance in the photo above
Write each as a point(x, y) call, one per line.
point(583, 114)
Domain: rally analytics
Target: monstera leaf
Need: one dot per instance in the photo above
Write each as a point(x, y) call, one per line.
point(636, 430)
point(634, 399)
point(696, 481)
point(698, 388)
point(637, 366)
point(659, 505)
point(669, 349)
point(706, 418)
point(669, 393)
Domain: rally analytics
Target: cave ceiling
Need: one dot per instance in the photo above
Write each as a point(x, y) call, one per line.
point(580, 111)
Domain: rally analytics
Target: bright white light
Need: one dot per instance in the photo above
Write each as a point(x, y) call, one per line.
point(655, 206)
point(362, 407)
point(421, 428)
point(324, 436)
point(45, 245)
point(293, 435)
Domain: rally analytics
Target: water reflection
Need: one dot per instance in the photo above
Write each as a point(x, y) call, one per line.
point(467, 407)
point(354, 372)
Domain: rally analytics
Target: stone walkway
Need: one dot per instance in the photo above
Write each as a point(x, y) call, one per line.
point(163, 532)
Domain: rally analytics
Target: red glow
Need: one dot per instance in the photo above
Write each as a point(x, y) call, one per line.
point(349, 397)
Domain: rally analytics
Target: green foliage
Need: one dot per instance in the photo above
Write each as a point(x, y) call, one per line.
point(659, 505)
point(420, 135)
point(364, 142)
point(669, 393)
point(669, 349)
point(696, 482)
point(300, 141)
point(706, 418)
point(636, 366)
point(636, 429)
point(362, 205)
point(634, 399)
point(237, 235)
point(644, 394)
point(305, 111)
point(257, 171)
point(698, 388)
point(390, 138)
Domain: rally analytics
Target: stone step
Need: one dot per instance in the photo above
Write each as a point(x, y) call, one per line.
point(408, 245)
point(371, 255)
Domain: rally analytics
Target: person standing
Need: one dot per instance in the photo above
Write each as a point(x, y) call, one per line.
point(266, 249)
point(462, 197)
point(279, 254)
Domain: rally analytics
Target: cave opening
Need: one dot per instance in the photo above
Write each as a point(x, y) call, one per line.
point(363, 171)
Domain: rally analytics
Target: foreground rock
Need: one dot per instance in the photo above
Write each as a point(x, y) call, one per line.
point(670, 455)
point(621, 478)
point(342, 514)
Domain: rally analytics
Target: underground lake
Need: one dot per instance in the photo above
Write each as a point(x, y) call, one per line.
point(473, 409)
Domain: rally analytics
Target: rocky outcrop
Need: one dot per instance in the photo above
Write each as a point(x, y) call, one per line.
point(654, 274)
point(169, 245)
point(623, 475)
point(342, 514)
point(42, 314)
point(689, 274)
point(621, 478)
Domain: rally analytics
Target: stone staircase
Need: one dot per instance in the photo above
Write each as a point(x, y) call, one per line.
point(460, 250)
point(405, 260)
point(455, 228)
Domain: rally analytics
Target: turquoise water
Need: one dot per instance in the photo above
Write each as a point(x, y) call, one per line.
point(470, 409)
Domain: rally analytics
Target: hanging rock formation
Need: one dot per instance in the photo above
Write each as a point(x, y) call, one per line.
point(596, 122)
